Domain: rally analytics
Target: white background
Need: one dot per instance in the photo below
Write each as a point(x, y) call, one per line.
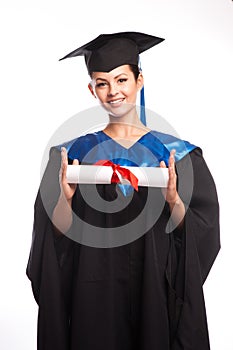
point(188, 81)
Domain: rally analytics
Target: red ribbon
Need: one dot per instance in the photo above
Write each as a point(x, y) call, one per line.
point(125, 173)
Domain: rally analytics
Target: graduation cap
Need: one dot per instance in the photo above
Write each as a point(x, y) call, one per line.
point(109, 51)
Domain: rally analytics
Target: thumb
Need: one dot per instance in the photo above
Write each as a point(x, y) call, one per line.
point(75, 162)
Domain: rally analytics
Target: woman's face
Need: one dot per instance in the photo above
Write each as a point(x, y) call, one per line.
point(116, 90)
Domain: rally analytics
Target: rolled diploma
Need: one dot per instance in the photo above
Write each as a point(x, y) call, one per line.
point(99, 174)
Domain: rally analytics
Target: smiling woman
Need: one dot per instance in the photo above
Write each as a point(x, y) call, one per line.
point(117, 92)
point(115, 266)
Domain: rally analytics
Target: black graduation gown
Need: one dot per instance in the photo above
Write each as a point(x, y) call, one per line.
point(144, 295)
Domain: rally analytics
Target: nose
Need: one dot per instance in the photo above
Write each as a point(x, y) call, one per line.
point(112, 91)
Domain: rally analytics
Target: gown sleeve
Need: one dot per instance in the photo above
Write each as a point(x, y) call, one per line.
point(202, 217)
point(49, 266)
point(199, 242)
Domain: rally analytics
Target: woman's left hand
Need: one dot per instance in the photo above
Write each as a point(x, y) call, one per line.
point(170, 193)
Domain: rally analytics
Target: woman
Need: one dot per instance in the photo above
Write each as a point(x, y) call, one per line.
point(145, 290)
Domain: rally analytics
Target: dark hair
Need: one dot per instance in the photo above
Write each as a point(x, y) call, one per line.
point(134, 68)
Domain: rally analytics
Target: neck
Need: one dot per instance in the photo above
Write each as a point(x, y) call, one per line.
point(125, 126)
point(123, 130)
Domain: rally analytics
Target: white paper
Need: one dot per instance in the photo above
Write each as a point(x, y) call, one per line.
point(99, 174)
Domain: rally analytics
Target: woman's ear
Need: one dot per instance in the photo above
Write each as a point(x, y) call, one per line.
point(140, 81)
point(90, 87)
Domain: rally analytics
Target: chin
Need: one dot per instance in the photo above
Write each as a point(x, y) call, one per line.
point(118, 111)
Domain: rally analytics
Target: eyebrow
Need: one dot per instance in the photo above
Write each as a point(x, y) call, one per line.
point(117, 76)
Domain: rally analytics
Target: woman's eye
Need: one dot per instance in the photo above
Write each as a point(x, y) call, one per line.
point(122, 80)
point(99, 85)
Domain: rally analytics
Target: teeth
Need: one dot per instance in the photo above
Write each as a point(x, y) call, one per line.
point(117, 101)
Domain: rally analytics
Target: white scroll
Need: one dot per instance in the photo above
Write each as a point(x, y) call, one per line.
point(99, 174)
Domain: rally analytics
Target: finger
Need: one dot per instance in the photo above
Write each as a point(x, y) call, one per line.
point(171, 176)
point(162, 164)
point(75, 162)
point(172, 159)
point(64, 158)
point(173, 152)
point(64, 163)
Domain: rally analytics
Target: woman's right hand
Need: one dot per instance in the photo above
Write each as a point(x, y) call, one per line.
point(62, 213)
point(67, 190)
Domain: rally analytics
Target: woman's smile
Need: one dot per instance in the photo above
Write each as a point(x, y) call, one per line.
point(116, 102)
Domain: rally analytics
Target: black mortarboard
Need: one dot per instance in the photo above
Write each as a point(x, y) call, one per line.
point(109, 51)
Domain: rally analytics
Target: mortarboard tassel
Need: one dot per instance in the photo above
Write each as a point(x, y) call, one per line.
point(142, 101)
point(142, 107)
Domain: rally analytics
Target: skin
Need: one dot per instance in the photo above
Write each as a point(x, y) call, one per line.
point(119, 85)
point(117, 92)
